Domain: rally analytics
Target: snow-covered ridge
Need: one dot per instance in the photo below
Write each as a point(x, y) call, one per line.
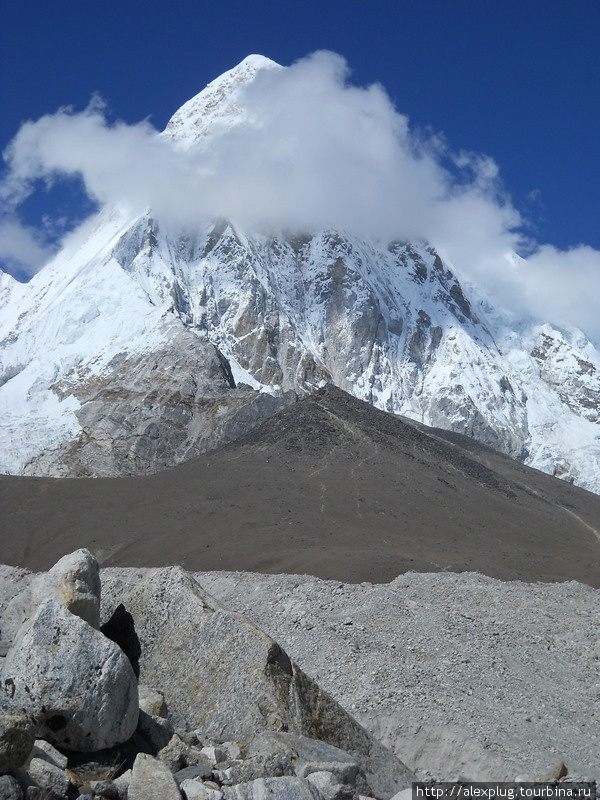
point(387, 322)
point(216, 106)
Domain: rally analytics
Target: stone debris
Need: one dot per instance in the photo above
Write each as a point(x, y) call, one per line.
point(201, 655)
point(285, 788)
point(220, 713)
point(455, 673)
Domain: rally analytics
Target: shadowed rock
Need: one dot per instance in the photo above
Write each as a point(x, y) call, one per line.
point(16, 741)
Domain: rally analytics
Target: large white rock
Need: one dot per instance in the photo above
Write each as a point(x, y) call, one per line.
point(74, 582)
point(77, 684)
point(152, 780)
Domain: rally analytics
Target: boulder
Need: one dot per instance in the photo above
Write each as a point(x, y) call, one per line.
point(214, 754)
point(151, 780)
point(329, 787)
point(151, 701)
point(49, 777)
point(227, 679)
point(195, 790)
point(285, 788)
point(16, 741)
point(197, 772)
point(77, 685)
point(107, 790)
point(74, 582)
point(309, 755)
point(262, 765)
point(122, 783)
point(155, 731)
point(9, 788)
point(176, 754)
point(45, 751)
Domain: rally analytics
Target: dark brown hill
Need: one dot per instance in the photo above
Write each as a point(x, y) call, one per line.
point(330, 486)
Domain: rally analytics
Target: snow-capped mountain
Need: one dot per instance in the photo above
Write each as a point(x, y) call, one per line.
point(124, 353)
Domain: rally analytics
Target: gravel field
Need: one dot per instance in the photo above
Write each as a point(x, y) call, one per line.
point(460, 674)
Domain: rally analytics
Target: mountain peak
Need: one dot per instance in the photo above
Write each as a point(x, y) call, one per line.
point(218, 104)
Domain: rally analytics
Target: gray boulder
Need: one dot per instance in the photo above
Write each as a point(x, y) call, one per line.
point(309, 755)
point(156, 731)
point(16, 741)
point(9, 788)
point(49, 777)
point(77, 685)
point(195, 790)
point(151, 701)
point(285, 788)
point(329, 787)
point(45, 751)
point(262, 765)
point(106, 789)
point(74, 582)
point(152, 780)
point(224, 677)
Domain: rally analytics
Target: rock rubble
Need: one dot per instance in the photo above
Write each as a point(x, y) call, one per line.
point(220, 711)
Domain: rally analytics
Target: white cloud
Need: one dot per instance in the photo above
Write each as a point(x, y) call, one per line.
point(22, 250)
point(564, 286)
point(315, 151)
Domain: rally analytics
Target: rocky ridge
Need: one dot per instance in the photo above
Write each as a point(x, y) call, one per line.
point(174, 698)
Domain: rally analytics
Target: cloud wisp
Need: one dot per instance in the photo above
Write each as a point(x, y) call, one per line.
point(310, 151)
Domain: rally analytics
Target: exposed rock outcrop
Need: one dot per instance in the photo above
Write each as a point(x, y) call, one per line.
point(153, 410)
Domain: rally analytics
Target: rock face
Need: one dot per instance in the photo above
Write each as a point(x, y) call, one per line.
point(202, 656)
point(74, 582)
point(148, 412)
point(78, 686)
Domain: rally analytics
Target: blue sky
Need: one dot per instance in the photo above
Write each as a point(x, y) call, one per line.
point(517, 81)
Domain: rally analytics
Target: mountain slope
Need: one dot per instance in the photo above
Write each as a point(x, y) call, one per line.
point(329, 486)
point(96, 352)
